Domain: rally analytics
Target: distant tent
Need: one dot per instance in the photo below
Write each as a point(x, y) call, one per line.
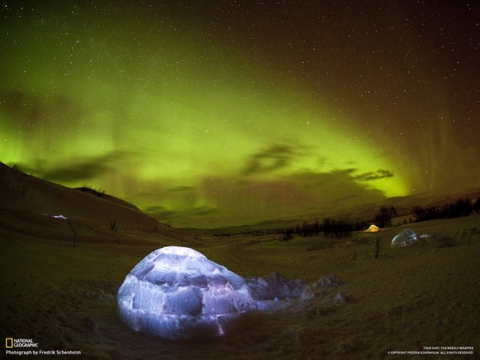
point(373, 228)
point(406, 237)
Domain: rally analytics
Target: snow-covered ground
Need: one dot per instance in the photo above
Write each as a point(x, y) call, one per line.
point(64, 297)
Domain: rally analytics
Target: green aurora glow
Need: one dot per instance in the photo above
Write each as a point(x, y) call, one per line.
point(199, 129)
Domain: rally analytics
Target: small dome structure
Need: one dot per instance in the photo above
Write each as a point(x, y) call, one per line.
point(406, 237)
point(177, 293)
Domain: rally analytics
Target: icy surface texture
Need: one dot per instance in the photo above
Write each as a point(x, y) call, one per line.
point(406, 237)
point(275, 286)
point(177, 293)
point(275, 292)
point(327, 281)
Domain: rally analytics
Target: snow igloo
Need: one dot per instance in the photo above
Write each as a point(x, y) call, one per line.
point(176, 293)
point(406, 237)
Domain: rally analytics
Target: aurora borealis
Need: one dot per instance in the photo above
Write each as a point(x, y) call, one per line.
point(213, 113)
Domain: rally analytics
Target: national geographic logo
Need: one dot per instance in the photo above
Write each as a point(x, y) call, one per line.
point(11, 343)
point(23, 347)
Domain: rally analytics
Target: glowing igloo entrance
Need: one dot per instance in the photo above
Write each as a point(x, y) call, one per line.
point(177, 293)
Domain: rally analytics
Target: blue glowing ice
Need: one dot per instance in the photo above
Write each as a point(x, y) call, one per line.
point(177, 293)
point(406, 237)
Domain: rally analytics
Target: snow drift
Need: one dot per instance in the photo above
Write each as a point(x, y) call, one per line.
point(275, 287)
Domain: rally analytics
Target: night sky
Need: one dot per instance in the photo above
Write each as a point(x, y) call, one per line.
point(211, 113)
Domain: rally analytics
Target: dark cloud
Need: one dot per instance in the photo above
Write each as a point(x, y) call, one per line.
point(336, 184)
point(379, 174)
point(275, 157)
point(301, 195)
point(180, 218)
point(161, 213)
point(204, 210)
point(182, 189)
point(83, 169)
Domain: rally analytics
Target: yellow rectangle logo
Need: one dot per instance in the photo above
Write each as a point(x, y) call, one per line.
point(8, 343)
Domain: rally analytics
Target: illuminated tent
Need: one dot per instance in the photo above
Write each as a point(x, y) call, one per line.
point(177, 293)
point(373, 228)
point(406, 237)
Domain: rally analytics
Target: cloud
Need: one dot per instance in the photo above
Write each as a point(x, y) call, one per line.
point(300, 195)
point(160, 212)
point(181, 189)
point(218, 201)
point(369, 176)
point(182, 218)
point(78, 169)
point(335, 185)
point(276, 157)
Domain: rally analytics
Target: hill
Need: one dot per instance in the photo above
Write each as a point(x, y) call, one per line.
point(29, 204)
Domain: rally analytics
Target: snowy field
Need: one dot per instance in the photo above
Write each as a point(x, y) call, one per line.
point(60, 278)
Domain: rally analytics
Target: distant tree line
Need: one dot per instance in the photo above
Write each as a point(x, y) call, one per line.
point(383, 218)
point(459, 208)
point(341, 228)
point(328, 227)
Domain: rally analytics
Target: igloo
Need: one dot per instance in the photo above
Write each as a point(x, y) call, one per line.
point(177, 293)
point(406, 237)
